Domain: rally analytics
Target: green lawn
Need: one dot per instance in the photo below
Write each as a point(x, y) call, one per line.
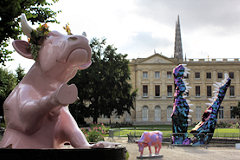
point(227, 132)
point(167, 130)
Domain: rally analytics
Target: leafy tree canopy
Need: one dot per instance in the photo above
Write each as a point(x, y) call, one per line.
point(8, 81)
point(36, 11)
point(19, 73)
point(103, 87)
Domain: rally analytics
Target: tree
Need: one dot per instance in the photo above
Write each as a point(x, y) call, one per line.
point(10, 10)
point(8, 82)
point(19, 73)
point(103, 87)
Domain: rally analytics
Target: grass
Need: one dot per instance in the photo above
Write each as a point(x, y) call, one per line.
point(167, 131)
point(227, 132)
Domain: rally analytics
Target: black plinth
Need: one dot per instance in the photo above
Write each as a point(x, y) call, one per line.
point(150, 157)
point(64, 154)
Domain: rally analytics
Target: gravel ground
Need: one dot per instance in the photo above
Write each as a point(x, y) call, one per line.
point(183, 153)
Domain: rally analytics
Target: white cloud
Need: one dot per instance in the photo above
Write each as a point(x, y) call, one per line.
point(136, 28)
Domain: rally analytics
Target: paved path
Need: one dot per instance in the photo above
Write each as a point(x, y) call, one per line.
point(184, 153)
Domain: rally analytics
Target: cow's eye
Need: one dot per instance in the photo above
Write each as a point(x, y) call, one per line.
point(72, 38)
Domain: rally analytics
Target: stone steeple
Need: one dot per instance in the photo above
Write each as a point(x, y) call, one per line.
point(178, 53)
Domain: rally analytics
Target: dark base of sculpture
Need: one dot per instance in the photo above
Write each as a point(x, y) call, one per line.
point(118, 153)
point(150, 156)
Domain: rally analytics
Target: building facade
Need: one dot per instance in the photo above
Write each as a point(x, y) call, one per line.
point(153, 79)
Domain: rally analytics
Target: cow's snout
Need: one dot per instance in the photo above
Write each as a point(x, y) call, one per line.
point(76, 50)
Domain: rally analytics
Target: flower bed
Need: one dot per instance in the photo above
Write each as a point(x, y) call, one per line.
point(95, 132)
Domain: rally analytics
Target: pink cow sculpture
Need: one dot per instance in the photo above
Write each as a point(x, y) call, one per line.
point(36, 111)
point(149, 139)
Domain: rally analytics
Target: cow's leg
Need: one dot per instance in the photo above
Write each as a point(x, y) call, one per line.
point(159, 147)
point(150, 151)
point(141, 153)
point(156, 149)
point(29, 106)
point(71, 131)
point(141, 147)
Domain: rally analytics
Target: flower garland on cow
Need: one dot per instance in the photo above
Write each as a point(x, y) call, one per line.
point(38, 36)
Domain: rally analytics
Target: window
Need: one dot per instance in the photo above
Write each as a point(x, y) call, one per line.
point(169, 90)
point(221, 113)
point(116, 117)
point(157, 75)
point(197, 91)
point(145, 90)
point(169, 75)
point(208, 75)
point(145, 75)
point(187, 76)
point(220, 75)
point(197, 75)
point(157, 113)
point(198, 113)
point(231, 75)
point(157, 91)
point(103, 116)
point(231, 112)
point(145, 113)
point(169, 113)
point(232, 92)
point(209, 91)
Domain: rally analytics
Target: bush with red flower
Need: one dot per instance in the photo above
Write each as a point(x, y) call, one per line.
point(95, 132)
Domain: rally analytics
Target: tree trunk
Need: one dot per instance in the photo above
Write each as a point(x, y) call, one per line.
point(95, 119)
point(95, 114)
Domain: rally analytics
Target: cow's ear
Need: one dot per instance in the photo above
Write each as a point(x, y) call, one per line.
point(23, 48)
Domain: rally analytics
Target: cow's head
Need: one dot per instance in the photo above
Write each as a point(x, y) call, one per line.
point(141, 146)
point(58, 53)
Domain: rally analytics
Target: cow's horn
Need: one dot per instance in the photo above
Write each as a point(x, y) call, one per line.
point(25, 27)
point(84, 34)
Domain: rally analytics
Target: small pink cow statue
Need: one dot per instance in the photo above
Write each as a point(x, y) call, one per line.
point(149, 139)
point(36, 111)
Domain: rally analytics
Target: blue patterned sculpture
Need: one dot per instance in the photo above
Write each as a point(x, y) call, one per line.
point(180, 107)
point(204, 130)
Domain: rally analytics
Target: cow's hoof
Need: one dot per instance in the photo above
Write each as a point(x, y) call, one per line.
point(67, 94)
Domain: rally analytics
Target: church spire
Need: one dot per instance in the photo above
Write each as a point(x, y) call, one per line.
point(178, 53)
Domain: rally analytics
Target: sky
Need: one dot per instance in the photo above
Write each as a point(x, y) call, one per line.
point(209, 28)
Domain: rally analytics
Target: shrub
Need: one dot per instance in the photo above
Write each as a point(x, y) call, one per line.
point(123, 124)
point(237, 125)
point(223, 125)
point(95, 132)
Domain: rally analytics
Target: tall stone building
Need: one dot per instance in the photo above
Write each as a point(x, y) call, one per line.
point(152, 77)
